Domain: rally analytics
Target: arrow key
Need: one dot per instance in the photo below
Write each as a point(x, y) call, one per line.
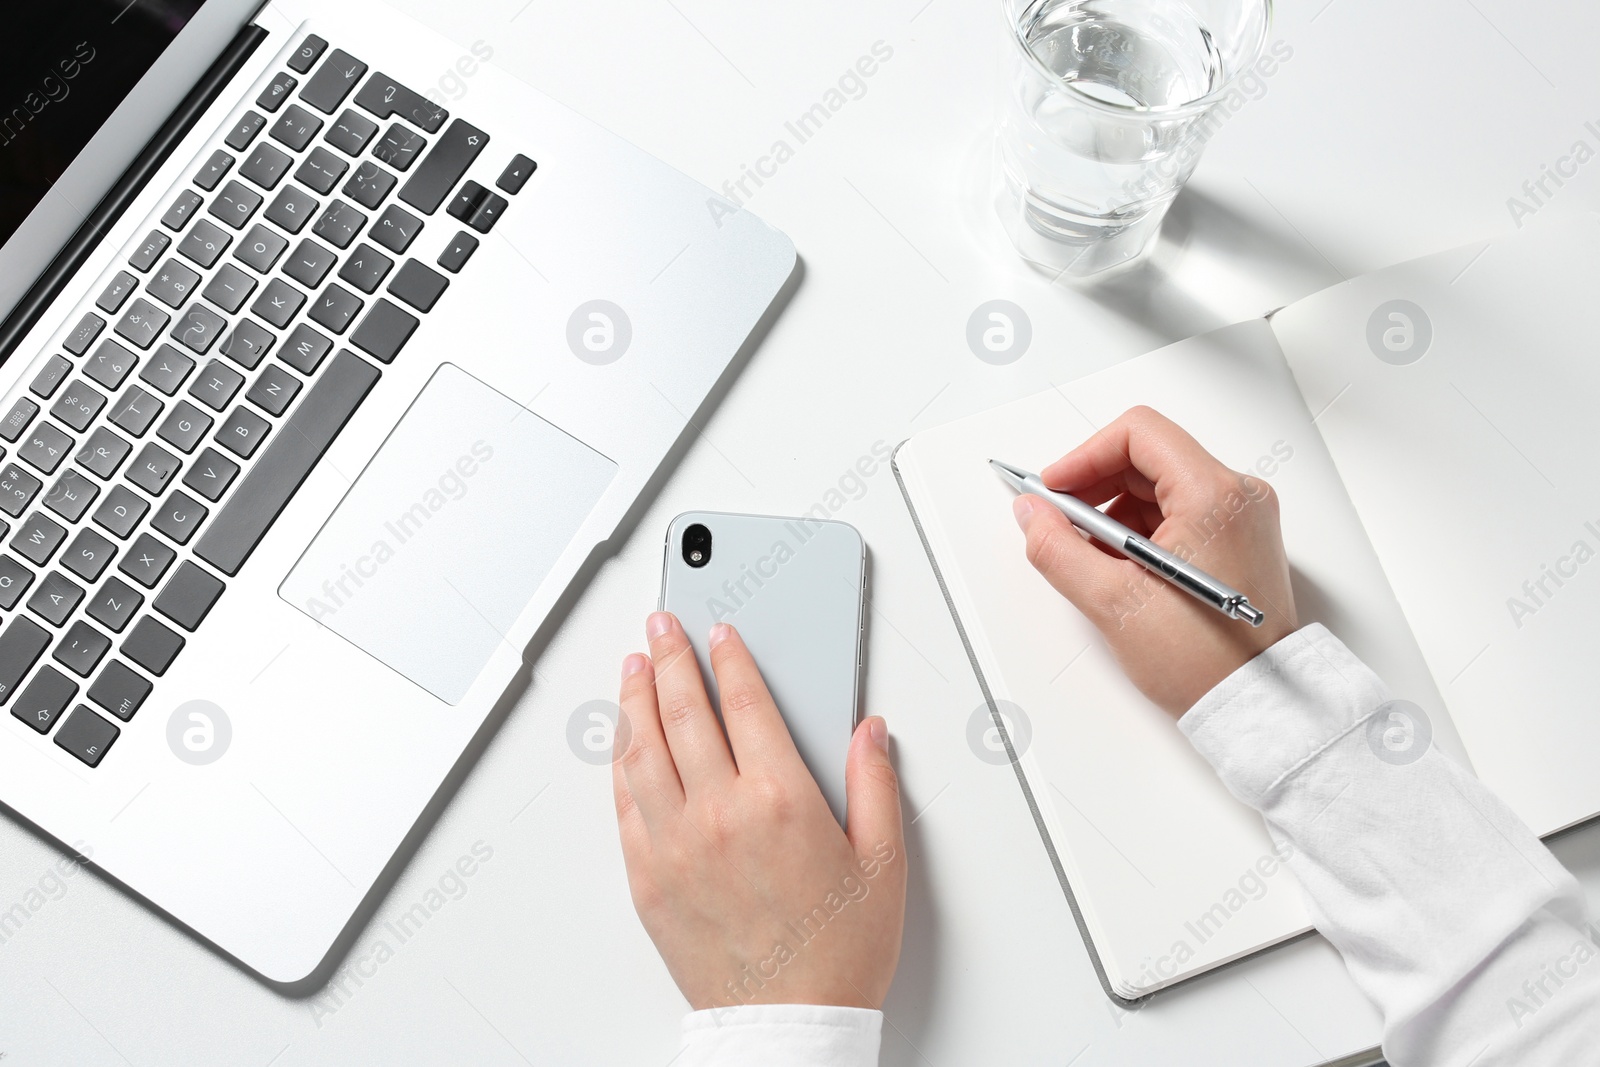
point(516, 174)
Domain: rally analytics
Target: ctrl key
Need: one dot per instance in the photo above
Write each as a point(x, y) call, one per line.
point(86, 735)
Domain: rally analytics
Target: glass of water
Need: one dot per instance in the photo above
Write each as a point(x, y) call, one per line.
point(1109, 104)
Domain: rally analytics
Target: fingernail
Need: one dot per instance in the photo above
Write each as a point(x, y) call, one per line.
point(633, 664)
point(720, 633)
point(878, 730)
point(658, 625)
point(1022, 508)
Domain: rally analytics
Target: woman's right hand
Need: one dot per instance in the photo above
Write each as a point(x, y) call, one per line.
point(1162, 484)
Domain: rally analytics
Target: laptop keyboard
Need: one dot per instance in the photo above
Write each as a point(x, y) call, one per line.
point(213, 372)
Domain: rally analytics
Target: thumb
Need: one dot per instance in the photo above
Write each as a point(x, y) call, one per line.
point(872, 790)
point(1093, 581)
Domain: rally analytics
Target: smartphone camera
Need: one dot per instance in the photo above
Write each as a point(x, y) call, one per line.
point(697, 545)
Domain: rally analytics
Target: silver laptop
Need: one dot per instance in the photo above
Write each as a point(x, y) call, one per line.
point(333, 354)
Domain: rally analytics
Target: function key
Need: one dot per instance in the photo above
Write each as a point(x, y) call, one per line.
point(385, 98)
point(145, 257)
point(86, 735)
point(244, 131)
point(82, 336)
point(209, 175)
point(177, 215)
point(50, 377)
point(458, 251)
point(276, 92)
point(120, 689)
point(310, 48)
point(516, 174)
point(333, 81)
point(17, 419)
point(116, 292)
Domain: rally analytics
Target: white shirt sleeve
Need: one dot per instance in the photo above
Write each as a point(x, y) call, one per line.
point(781, 1035)
point(1461, 927)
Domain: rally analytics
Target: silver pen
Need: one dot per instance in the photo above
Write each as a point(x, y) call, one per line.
point(1158, 561)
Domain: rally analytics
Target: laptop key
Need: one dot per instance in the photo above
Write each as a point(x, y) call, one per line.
point(418, 285)
point(118, 290)
point(488, 212)
point(142, 323)
point(369, 185)
point(18, 418)
point(211, 474)
point(177, 215)
point(395, 229)
point(247, 342)
point(88, 555)
point(283, 465)
point(276, 92)
point(87, 736)
point(385, 98)
point(444, 165)
point(21, 645)
point(310, 263)
point(152, 645)
point(56, 598)
point(112, 607)
point(44, 699)
point(147, 561)
point(279, 303)
point(245, 131)
point(291, 209)
point(199, 328)
point(17, 490)
point(243, 432)
point(351, 132)
point(339, 224)
point(274, 391)
point(458, 251)
point(366, 268)
point(295, 128)
point(333, 81)
point(204, 243)
point(229, 288)
point(321, 171)
point(183, 428)
point(266, 166)
point(167, 369)
point(110, 365)
point(78, 405)
point(235, 205)
point(82, 336)
point(188, 596)
point(145, 256)
point(179, 516)
point(400, 147)
point(103, 453)
point(334, 308)
point(135, 411)
point(120, 689)
point(154, 468)
point(209, 175)
point(216, 385)
point(305, 349)
point(50, 377)
point(516, 174)
point(260, 249)
point(82, 649)
point(14, 581)
point(121, 511)
point(173, 284)
point(71, 495)
point(38, 538)
point(45, 447)
point(306, 54)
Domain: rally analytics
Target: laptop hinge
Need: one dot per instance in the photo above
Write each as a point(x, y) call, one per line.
point(109, 210)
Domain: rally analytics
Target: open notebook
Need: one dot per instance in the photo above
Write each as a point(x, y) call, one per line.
point(1442, 516)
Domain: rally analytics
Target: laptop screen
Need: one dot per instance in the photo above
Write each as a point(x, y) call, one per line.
point(64, 67)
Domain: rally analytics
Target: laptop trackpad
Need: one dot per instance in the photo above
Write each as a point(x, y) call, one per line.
point(448, 533)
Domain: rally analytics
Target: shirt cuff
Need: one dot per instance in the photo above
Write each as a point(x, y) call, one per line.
point(781, 1035)
point(1279, 711)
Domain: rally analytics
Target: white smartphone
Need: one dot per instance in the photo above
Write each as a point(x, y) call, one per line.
point(795, 590)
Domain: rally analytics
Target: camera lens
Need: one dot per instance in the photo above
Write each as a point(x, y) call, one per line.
point(697, 546)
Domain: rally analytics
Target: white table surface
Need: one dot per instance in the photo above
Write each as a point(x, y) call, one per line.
point(1397, 129)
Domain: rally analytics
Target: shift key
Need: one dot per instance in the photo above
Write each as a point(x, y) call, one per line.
point(444, 166)
point(21, 645)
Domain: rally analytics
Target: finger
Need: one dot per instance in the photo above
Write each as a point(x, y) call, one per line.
point(1148, 443)
point(693, 734)
point(645, 768)
point(872, 791)
point(1135, 514)
point(1092, 580)
point(756, 730)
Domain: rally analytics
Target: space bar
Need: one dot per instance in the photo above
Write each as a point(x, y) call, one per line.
point(261, 497)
